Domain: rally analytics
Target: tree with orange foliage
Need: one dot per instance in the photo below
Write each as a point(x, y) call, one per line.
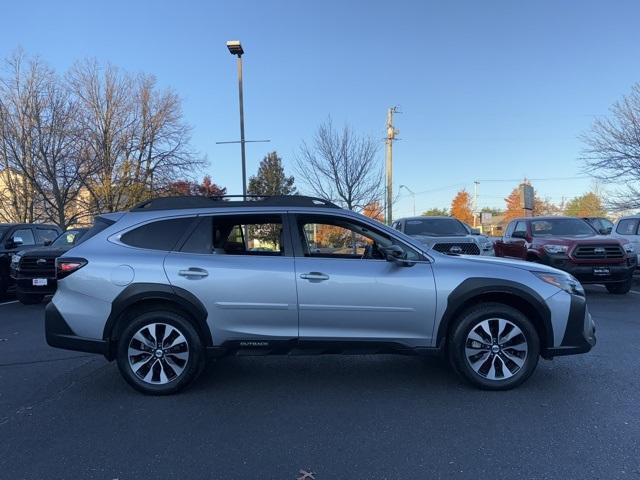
point(540, 206)
point(374, 210)
point(461, 207)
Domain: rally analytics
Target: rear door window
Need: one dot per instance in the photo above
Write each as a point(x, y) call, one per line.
point(158, 235)
point(627, 226)
point(238, 235)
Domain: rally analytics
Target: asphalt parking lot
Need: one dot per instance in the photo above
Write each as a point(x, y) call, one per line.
point(70, 415)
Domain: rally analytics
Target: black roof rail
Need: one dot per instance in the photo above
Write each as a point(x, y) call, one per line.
point(184, 202)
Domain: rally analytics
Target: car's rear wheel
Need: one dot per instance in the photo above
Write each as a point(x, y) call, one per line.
point(160, 353)
point(494, 346)
point(29, 298)
point(620, 288)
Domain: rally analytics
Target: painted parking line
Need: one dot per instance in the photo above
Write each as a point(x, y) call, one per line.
point(9, 302)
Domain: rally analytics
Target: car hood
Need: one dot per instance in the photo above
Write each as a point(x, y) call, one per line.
point(529, 266)
point(586, 240)
point(431, 241)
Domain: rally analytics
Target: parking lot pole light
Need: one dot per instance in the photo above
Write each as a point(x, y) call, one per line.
point(413, 195)
point(235, 48)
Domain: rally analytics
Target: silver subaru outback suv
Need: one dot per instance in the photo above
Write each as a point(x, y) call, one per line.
point(176, 280)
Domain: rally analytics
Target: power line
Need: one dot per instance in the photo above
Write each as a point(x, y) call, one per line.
point(535, 179)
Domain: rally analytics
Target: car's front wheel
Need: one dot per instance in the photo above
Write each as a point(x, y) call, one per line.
point(494, 346)
point(160, 353)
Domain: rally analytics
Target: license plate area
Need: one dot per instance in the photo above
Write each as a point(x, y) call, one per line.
point(39, 282)
point(601, 271)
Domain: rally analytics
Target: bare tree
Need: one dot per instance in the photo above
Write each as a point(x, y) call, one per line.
point(612, 152)
point(134, 136)
point(39, 140)
point(18, 198)
point(342, 167)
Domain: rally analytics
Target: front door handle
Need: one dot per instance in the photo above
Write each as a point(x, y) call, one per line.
point(317, 276)
point(193, 273)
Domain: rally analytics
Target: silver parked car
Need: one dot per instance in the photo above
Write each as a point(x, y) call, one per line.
point(176, 280)
point(445, 235)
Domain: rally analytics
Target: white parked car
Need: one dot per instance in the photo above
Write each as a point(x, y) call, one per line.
point(628, 228)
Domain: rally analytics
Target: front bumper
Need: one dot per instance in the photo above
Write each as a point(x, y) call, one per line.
point(59, 334)
point(580, 332)
point(618, 272)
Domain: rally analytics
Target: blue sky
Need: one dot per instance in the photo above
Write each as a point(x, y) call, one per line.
point(489, 90)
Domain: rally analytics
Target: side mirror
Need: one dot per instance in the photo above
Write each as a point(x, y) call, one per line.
point(47, 243)
point(17, 241)
point(605, 231)
point(395, 253)
point(521, 235)
point(475, 231)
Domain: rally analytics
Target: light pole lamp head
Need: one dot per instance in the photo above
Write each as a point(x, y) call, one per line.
point(235, 47)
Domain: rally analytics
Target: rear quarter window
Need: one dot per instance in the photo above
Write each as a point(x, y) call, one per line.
point(158, 235)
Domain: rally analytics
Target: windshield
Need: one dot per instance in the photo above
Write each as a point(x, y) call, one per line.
point(563, 227)
point(435, 227)
point(68, 238)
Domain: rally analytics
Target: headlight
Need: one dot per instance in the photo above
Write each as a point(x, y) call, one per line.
point(487, 246)
point(629, 248)
point(563, 281)
point(15, 259)
point(556, 249)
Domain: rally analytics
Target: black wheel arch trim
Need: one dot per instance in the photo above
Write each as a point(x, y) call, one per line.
point(149, 292)
point(475, 287)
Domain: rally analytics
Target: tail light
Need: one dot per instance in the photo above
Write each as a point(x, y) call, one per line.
point(66, 266)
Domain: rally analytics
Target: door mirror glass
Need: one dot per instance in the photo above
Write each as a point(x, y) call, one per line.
point(475, 231)
point(519, 234)
point(17, 241)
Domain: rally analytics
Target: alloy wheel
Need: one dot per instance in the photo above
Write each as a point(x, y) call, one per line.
point(158, 353)
point(496, 349)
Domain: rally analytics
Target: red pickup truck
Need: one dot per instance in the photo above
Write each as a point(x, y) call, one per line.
point(572, 245)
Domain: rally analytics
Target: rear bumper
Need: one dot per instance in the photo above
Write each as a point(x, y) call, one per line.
point(580, 333)
point(59, 335)
point(25, 285)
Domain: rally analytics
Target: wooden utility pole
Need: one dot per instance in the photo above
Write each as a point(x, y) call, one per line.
point(390, 137)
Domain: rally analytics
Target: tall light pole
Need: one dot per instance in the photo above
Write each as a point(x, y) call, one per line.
point(389, 138)
point(235, 48)
point(413, 195)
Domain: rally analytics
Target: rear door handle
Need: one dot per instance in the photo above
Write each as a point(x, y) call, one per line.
point(193, 273)
point(317, 276)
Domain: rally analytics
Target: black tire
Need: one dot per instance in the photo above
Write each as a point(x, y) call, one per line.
point(192, 367)
point(29, 298)
point(516, 375)
point(620, 288)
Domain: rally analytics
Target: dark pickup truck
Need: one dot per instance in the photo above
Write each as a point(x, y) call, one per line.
point(572, 245)
point(15, 237)
point(34, 270)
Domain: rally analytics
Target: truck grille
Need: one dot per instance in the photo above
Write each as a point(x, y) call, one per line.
point(30, 264)
point(590, 252)
point(461, 248)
